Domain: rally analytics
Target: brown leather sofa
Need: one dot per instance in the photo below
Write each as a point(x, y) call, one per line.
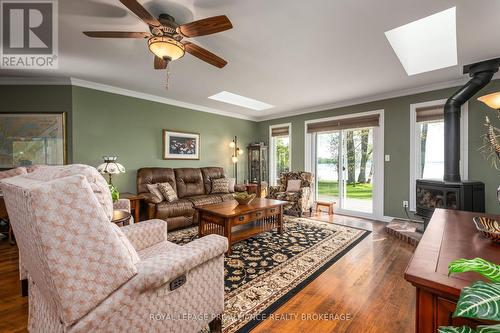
point(193, 187)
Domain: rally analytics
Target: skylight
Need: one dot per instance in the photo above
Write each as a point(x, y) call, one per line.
point(426, 44)
point(242, 101)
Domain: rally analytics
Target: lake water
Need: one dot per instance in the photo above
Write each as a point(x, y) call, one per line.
point(328, 171)
point(432, 170)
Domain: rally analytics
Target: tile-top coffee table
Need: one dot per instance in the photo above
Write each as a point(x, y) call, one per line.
point(239, 222)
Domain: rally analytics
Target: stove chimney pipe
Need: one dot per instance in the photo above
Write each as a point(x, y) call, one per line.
point(481, 73)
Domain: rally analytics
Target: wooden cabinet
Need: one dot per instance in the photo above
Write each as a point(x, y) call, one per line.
point(257, 163)
point(451, 234)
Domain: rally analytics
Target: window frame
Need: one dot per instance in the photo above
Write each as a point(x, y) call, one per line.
point(415, 144)
point(273, 178)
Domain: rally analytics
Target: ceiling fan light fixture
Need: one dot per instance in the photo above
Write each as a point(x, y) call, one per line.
point(166, 48)
point(492, 100)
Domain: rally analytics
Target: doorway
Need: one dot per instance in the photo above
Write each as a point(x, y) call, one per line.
point(345, 169)
point(346, 156)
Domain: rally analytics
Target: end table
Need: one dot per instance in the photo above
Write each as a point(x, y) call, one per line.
point(135, 204)
point(121, 217)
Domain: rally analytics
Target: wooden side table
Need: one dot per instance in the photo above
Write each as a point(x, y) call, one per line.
point(135, 204)
point(259, 189)
point(326, 204)
point(121, 217)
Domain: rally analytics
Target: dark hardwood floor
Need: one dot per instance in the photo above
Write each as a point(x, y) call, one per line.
point(366, 285)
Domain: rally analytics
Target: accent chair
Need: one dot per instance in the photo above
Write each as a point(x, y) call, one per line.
point(300, 200)
point(86, 274)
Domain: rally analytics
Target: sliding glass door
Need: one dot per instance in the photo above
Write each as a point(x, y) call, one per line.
point(345, 168)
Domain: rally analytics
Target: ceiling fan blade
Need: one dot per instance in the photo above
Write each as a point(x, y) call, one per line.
point(116, 34)
point(141, 12)
point(204, 55)
point(160, 63)
point(206, 26)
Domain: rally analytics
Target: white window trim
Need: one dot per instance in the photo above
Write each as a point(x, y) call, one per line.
point(272, 176)
point(378, 159)
point(464, 144)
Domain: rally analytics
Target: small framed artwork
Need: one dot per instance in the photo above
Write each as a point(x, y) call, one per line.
point(32, 138)
point(180, 145)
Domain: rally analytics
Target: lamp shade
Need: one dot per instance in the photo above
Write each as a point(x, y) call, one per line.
point(110, 166)
point(492, 100)
point(166, 48)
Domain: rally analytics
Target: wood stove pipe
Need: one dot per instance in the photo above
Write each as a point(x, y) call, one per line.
point(481, 73)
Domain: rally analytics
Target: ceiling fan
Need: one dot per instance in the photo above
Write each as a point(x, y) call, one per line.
point(165, 36)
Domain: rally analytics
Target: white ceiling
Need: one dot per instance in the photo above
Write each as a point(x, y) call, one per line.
point(293, 54)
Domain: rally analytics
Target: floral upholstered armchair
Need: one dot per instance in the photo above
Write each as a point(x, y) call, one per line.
point(86, 274)
point(300, 200)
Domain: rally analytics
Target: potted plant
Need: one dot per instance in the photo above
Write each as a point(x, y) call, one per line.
point(480, 300)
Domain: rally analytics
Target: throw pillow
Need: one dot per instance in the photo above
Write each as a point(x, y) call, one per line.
point(293, 185)
point(168, 192)
point(154, 190)
point(232, 182)
point(220, 185)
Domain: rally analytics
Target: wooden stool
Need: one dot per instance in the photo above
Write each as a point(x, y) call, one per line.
point(326, 204)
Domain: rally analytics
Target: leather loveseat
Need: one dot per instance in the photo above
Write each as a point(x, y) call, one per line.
point(192, 185)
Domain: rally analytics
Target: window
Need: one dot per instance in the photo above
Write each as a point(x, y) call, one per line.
point(427, 143)
point(430, 141)
point(280, 146)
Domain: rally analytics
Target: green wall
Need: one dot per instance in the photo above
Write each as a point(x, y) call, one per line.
point(131, 128)
point(397, 143)
point(38, 98)
point(101, 123)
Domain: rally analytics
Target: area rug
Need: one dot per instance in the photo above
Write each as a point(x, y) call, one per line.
point(264, 271)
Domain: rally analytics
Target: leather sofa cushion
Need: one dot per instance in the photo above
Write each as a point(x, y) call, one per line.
point(182, 207)
point(189, 182)
point(202, 200)
point(209, 174)
point(154, 176)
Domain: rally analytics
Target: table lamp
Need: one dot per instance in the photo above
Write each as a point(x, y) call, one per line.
point(111, 167)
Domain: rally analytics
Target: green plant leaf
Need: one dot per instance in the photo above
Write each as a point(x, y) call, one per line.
point(480, 300)
point(451, 329)
point(478, 265)
point(489, 329)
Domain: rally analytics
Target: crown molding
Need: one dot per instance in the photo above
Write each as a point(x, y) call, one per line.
point(371, 98)
point(19, 80)
point(35, 81)
point(154, 98)
point(195, 107)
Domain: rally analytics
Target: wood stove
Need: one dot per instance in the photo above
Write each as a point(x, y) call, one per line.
point(452, 192)
point(465, 195)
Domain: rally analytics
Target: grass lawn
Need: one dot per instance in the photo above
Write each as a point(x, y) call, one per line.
point(358, 191)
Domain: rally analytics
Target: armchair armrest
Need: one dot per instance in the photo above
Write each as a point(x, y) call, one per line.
point(146, 233)
point(273, 190)
point(123, 204)
point(158, 270)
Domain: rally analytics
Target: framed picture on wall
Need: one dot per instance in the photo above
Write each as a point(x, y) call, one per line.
point(32, 138)
point(180, 145)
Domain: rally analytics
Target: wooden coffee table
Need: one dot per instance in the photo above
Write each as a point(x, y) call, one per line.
point(239, 222)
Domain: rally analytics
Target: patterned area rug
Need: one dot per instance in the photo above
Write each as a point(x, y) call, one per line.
point(264, 271)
